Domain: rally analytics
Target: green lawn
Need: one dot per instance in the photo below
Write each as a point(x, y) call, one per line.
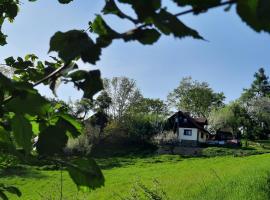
point(182, 178)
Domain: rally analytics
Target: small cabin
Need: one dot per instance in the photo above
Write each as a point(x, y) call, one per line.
point(190, 131)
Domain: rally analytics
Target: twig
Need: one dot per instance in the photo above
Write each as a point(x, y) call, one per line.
point(210, 7)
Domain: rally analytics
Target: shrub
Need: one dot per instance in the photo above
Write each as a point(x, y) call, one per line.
point(84, 144)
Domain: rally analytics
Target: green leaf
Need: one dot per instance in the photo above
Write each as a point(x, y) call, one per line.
point(13, 190)
point(73, 126)
point(170, 24)
point(198, 6)
point(65, 1)
point(100, 27)
point(111, 8)
point(30, 103)
point(4, 136)
point(5, 83)
point(78, 75)
point(3, 39)
point(85, 173)
point(144, 36)
point(10, 61)
point(256, 13)
point(92, 84)
point(75, 44)
point(11, 9)
point(144, 9)
point(53, 139)
point(22, 131)
point(3, 196)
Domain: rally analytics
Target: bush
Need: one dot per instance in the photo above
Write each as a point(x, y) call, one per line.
point(142, 126)
point(84, 143)
point(8, 161)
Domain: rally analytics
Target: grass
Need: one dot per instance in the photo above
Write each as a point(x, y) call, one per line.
point(226, 177)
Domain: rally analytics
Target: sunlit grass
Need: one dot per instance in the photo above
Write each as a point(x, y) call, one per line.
point(182, 178)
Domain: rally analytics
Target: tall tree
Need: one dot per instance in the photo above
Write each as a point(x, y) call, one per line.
point(123, 93)
point(195, 97)
point(259, 110)
point(260, 87)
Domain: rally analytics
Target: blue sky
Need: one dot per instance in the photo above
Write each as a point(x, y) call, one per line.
point(227, 61)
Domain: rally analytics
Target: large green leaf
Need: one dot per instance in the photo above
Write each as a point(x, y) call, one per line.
point(52, 139)
point(73, 126)
point(30, 103)
point(75, 44)
point(85, 173)
point(22, 131)
point(256, 13)
point(144, 9)
point(170, 24)
point(100, 27)
point(92, 84)
point(144, 36)
point(88, 81)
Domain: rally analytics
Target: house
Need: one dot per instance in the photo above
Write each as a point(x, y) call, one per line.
point(190, 131)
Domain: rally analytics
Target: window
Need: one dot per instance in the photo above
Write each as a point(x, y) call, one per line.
point(185, 120)
point(188, 132)
point(201, 135)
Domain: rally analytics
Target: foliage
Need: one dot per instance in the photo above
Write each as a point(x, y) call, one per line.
point(142, 126)
point(8, 189)
point(81, 145)
point(123, 93)
point(260, 87)
point(195, 97)
point(231, 116)
point(152, 19)
point(256, 101)
point(151, 106)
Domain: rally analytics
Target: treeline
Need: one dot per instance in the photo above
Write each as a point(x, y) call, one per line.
point(121, 113)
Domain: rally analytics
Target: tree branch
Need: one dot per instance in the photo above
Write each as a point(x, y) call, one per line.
point(229, 2)
point(42, 80)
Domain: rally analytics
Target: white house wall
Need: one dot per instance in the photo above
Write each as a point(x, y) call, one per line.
point(204, 137)
point(186, 137)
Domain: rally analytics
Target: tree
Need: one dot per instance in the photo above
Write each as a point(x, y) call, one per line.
point(123, 93)
point(150, 106)
point(101, 117)
point(259, 110)
point(260, 87)
point(151, 20)
point(232, 116)
point(195, 97)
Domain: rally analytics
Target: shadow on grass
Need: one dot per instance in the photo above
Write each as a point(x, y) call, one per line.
point(21, 171)
point(138, 159)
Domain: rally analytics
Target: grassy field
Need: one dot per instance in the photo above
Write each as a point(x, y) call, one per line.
point(225, 177)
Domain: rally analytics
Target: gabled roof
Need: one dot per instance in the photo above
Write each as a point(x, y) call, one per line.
point(196, 122)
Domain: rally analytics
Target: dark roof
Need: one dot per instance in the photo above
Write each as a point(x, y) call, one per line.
point(196, 122)
point(201, 120)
